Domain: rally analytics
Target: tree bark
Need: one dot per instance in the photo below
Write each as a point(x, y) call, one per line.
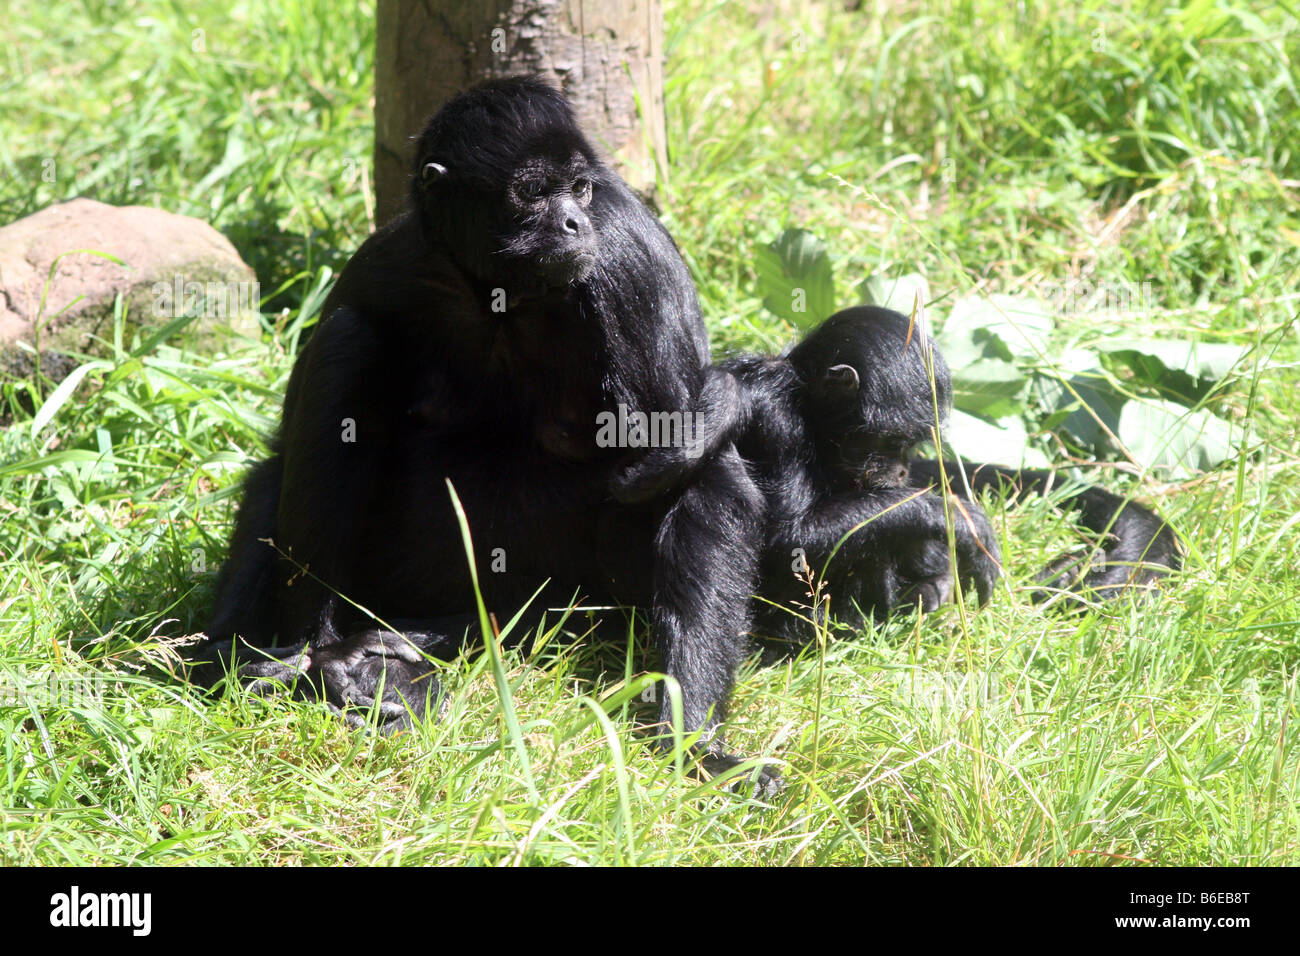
point(607, 56)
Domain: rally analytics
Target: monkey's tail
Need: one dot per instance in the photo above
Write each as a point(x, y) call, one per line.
point(246, 585)
point(1139, 545)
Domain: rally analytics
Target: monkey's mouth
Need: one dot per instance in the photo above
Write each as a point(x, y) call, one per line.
point(876, 475)
point(566, 268)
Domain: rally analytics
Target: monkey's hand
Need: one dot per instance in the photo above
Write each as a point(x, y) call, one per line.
point(263, 670)
point(378, 671)
point(719, 415)
point(979, 559)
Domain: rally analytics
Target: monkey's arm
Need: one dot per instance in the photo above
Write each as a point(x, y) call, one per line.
point(1141, 547)
point(878, 523)
point(342, 423)
point(719, 415)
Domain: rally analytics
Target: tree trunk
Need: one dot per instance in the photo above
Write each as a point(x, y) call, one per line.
point(607, 56)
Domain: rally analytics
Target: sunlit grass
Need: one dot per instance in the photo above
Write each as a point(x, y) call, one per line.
point(985, 146)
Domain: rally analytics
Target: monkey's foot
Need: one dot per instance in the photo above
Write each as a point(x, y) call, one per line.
point(1081, 579)
point(765, 781)
point(710, 758)
point(374, 669)
point(381, 671)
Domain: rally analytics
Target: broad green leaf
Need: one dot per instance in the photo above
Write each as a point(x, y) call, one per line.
point(1068, 413)
point(960, 349)
point(1079, 361)
point(1167, 436)
point(989, 387)
point(1002, 443)
point(794, 278)
point(1185, 371)
point(902, 294)
point(1000, 326)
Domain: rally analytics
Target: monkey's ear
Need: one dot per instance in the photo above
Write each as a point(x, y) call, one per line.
point(839, 382)
point(432, 172)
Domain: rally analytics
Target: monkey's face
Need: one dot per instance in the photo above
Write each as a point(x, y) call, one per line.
point(533, 231)
point(866, 428)
point(875, 388)
point(872, 462)
point(546, 229)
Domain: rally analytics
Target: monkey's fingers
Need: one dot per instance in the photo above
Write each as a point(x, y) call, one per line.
point(982, 582)
point(379, 671)
point(263, 670)
point(978, 555)
point(650, 476)
point(765, 781)
point(978, 566)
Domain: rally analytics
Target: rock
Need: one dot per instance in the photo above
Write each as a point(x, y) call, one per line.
point(172, 266)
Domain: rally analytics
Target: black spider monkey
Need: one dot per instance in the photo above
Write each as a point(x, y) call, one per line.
point(895, 364)
point(828, 429)
point(831, 426)
point(479, 339)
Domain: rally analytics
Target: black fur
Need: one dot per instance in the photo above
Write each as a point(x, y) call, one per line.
point(1140, 547)
point(894, 411)
point(478, 338)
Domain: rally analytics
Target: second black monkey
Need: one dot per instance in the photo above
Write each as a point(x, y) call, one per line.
point(828, 429)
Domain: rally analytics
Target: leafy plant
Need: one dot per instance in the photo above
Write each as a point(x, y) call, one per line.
point(1143, 398)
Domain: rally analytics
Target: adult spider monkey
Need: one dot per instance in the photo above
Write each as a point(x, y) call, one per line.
point(476, 340)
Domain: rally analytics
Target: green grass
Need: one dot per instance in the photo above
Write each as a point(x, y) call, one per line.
point(1109, 143)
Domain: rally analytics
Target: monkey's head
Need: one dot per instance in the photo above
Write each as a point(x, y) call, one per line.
point(504, 182)
point(865, 376)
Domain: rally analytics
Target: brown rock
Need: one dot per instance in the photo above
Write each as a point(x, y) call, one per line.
point(171, 265)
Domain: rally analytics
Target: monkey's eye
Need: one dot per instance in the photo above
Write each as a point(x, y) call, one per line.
point(858, 447)
point(582, 189)
point(531, 190)
point(432, 171)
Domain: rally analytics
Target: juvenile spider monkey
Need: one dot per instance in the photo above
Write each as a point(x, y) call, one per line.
point(827, 429)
